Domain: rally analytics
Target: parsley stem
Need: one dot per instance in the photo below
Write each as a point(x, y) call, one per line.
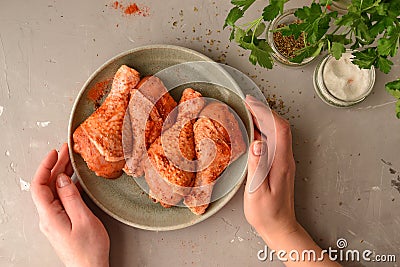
point(252, 23)
point(256, 26)
point(376, 3)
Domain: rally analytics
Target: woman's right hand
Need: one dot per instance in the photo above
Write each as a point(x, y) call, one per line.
point(269, 203)
point(270, 209)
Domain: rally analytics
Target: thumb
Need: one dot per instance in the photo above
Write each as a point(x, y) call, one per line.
point(257, 165)
point(70, 198)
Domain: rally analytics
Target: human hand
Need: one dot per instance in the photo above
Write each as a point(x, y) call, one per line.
point(269, 203)
point(76, 234)
point(270, 208)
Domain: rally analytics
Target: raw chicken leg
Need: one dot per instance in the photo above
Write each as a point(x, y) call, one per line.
point(170, 178)
point(227, 125)
point(99, 138)
point(149, 108)
point(154, 90)
point(219, 141)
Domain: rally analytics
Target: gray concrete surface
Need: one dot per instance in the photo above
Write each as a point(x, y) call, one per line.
point(346, 158)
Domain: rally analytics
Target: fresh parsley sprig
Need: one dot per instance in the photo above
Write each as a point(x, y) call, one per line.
point(248, 35)
point(371, 28)
point(394, 89)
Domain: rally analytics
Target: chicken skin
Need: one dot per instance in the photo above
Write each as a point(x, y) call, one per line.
point(227, 125)
point(149, 108)
point(99, 138)
point(169, 169)
point(181, 151)
point(95, 161)
point(154, 90)
point(218, 141)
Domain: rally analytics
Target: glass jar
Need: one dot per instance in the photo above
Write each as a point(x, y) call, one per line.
point(287, 17)
point(341, 5)
point(332, 96)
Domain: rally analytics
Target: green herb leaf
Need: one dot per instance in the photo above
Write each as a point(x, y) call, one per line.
point(363, 34)
point(270, 12)
point(364, 4)
point(273, 9)
point(235, 14)
point(239, 34)
point(389, 46)
point(347, 20)
point(381, 9)
point(324, 24)
point(246, 42)
point(307, 52)
point(315, 23)
point(337, 50)
point(260, 29)
point(365, 59)
point(295, 29)
point(232, 35)
point(339, 38)
point(384, 64)
point(393, 9)
point(384, 47)
point(243, 3)
point(381, 25)
point(393, 88)
point(261, 54)
point(309, 13)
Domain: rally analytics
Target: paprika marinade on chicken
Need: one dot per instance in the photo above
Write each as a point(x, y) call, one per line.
point(99, 138)
point(150, 110)
point(170, 178)
point(218, 124)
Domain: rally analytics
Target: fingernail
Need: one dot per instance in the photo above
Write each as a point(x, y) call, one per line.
point(259, 148)
point(63, 180)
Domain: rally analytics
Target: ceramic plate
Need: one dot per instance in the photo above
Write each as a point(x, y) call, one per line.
point(122, 198)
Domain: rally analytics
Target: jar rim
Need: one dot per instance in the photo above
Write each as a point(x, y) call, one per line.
point(341, 6)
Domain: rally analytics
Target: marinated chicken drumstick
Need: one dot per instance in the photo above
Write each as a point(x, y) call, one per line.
point(149, 108)
point(218, 141)
point(99, 138)
point(170, 178)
